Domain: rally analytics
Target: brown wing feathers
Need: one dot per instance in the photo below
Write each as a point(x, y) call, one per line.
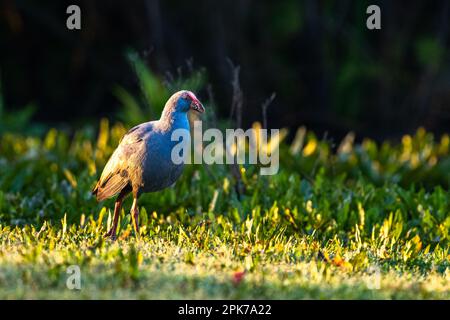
point(111, 186)
point(116, 174)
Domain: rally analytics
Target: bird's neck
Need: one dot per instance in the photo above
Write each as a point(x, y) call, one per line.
point(171, 120)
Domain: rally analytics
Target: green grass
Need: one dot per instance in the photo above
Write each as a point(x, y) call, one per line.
point(367, 221)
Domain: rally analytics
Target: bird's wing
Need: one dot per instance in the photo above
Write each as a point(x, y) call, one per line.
point(116, 174)
point(135, 134)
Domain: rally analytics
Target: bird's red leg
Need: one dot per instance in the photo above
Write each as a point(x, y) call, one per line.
point(135, 216)
point(118, 205)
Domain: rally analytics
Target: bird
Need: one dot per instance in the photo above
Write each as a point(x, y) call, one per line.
point(142, 162)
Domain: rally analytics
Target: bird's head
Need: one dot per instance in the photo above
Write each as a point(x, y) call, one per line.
point(185, 101)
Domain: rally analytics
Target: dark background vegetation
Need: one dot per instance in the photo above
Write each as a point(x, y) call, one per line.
point(328, 70)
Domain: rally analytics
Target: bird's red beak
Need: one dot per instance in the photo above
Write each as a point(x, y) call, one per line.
point(197, 106)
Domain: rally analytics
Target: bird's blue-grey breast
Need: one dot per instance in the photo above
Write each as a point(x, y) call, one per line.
point(142, 162)
point(159, 169)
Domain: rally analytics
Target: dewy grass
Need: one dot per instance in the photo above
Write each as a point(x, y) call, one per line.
point(369, 221)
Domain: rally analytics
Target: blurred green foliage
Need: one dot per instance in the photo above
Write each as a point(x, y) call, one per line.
point(46, 178)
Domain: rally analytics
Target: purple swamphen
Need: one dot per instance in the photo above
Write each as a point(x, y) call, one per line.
point(142, 161)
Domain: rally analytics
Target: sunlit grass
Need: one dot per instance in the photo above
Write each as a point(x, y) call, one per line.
point(203, 262)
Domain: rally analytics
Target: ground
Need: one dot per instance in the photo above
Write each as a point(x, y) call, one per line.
point(366, 221)
point(202, 266)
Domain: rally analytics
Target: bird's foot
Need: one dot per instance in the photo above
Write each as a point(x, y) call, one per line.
point(111, 234)
point(136, 230)
point(138, 234)
point(135, 222)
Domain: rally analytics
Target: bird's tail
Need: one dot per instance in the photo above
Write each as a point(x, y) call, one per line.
point(110, 187)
